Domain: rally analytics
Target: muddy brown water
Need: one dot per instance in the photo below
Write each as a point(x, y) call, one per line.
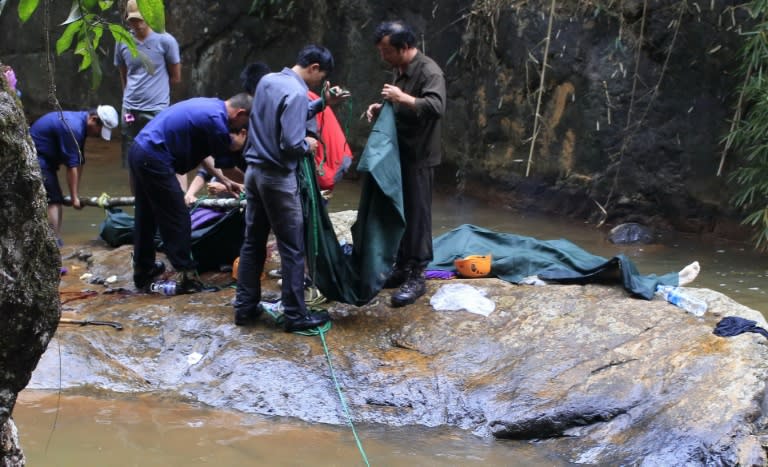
point(99, 429)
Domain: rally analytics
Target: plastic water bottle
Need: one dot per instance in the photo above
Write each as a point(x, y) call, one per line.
point(679, 298)
point(163, 287)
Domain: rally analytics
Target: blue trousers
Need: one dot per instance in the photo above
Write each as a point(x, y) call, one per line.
point(273, 202)
point(159, 204)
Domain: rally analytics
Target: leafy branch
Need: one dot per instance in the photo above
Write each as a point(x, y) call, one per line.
point(85, 27)
point(749, 129)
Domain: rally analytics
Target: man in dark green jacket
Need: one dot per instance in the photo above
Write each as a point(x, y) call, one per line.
point(418, 96)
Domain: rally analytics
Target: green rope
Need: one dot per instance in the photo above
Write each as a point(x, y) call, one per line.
point(321, 330)
point(309, 183)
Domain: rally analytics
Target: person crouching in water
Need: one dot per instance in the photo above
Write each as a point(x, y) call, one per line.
point(175, 142)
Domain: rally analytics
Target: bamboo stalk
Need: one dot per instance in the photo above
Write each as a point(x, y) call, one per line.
point(735, 121)
point(541, 88)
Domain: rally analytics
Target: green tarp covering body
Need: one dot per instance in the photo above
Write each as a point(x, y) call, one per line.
point(358, 278)
point(516, 257)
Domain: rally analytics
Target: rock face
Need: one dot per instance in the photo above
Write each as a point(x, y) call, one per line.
point(589, 373)
point(631, 232)
point(29, 268)
point(633, 107)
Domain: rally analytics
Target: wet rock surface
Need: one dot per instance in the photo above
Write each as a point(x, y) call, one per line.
point(29, 268)
point(586, 371)
point(629, 233)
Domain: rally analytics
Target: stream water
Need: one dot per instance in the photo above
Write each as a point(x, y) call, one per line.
point(99, 429)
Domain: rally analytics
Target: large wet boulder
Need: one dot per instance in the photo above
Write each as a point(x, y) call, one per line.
point(590, 373)
point(29, 268)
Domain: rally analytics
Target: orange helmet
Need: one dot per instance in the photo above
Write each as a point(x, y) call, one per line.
point(474, 265)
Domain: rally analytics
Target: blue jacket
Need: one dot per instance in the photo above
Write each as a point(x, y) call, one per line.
point(187, 132)
point(60, 141)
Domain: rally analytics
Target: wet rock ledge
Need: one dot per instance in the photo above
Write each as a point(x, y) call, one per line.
point(586, 371)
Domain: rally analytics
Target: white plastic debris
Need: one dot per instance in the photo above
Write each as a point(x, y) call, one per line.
point(86, 276)
point(110, 279)
point(193, 358)
point(453, 297)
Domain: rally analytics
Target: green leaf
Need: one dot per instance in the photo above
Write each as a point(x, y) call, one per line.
point(153, 12)
point(96, 73)
point(97, 31)
point(90, 5)
point(122, 35)
point(26, 8)
point(65, 41)
point(87, 58)
point(105, 4)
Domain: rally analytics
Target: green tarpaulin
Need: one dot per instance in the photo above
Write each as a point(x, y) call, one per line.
point(358, 278)
point(516, 257)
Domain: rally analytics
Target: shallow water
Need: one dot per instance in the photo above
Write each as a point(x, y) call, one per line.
point(147, 430)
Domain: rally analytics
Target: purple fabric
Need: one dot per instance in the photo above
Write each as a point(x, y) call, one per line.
point(201, 217)
point(439, 274)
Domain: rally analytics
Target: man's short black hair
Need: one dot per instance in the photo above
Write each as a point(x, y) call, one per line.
point(315, 54)
point(401, 35)
point(241, 100)
point(251, 75)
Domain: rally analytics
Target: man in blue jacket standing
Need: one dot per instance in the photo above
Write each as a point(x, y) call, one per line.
point(175, 142)
point(59, 138)
point(277, 140)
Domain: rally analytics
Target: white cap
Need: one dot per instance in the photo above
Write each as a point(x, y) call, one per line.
point(108, 116)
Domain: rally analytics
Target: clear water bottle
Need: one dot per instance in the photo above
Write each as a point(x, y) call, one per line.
point(163, 287)
point(679, 298)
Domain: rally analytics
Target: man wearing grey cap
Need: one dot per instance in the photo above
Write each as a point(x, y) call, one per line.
point(59, 138)
point(147, 78)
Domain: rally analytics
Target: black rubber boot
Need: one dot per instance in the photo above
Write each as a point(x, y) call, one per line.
point(244, 317)
point(397, 277)
point(143, 279)
point(308, 321)
point(188, 283)
point(413, 288)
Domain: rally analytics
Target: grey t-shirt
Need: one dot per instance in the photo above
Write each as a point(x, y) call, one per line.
point(147, 86)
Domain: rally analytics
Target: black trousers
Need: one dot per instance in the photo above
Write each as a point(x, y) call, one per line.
point(159, 204)
point(273, 202)
point(416, 246)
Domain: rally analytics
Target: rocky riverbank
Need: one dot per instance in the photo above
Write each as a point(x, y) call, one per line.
point(586, 371)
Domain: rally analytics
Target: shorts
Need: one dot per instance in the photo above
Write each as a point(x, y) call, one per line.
point(52, 187)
